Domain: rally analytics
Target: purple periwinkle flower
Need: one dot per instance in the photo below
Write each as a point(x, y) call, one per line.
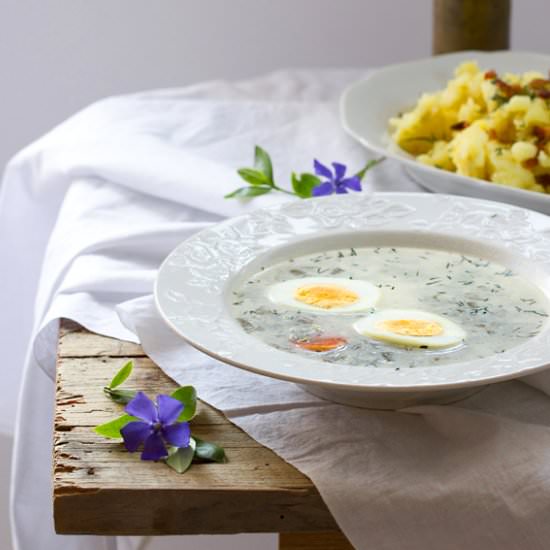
point(334, 183)
point(157, 427)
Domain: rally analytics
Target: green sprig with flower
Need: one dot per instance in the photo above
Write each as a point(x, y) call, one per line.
point(161, 427)
point(323, 181)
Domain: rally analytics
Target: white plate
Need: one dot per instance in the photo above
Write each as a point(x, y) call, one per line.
point(194, 285)
point(367, 106)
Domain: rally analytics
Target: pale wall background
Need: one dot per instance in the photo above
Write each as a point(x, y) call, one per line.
point(57, 56)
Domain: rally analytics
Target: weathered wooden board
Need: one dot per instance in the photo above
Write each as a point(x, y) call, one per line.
point(99, 488)
point(314, 541)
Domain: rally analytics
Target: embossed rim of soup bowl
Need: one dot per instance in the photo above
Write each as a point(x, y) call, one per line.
point(193, 285)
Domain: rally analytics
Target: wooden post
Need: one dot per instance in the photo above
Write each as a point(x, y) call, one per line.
point(471, 25)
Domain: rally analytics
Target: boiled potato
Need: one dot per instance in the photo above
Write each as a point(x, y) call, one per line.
point(483, 126)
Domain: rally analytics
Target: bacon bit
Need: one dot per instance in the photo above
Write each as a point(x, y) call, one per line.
point(321, 343)
point(539, 87)
point(538, 83)
point(539, 132)
point(490, 75)
point(507, 89)
point(542, 133)
point(530, 163)
point(543, 179)
point(460, 125)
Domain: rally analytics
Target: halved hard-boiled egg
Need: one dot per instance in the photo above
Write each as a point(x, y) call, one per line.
point(411, 327)
point(325, 294)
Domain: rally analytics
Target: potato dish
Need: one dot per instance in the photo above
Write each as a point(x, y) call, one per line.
point(483, 125)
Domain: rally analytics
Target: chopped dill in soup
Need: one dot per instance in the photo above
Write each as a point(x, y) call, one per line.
point(390, 307)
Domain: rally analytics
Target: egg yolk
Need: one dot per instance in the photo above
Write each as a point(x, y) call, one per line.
point(411, 327)
point(326, 296)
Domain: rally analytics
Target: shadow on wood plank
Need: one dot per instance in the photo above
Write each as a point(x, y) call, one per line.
point(314, 541)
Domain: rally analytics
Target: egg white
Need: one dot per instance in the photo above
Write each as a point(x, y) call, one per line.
point(283, 293)
point(452, 334)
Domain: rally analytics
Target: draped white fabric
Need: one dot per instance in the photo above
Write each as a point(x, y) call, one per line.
point(87, 214)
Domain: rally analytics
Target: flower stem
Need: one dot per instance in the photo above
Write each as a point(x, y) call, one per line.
point(370, 164)
point(277, 188)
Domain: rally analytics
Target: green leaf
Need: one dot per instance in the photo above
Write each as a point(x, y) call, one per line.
point(370, 164)
point(254, 177)
point(304, 183)
point(180, 459)
point(188, 396)
point(120, 396)
point(112, 429)
point(262, 162)
point(248, 192)
point(122, 375)
point(209, 452)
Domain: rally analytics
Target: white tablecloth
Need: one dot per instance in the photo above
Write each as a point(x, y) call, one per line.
point(101, 200)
